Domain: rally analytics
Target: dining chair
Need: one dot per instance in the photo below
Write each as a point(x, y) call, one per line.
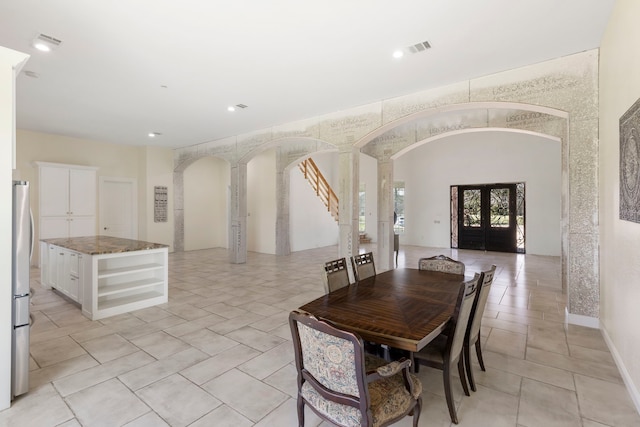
point(343, 385)
point(445, 351)
point(473, 331)
point(441, 263)
point(363, 266)
point(336, 275)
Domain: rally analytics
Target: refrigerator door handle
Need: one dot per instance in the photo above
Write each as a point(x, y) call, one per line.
point(33, 235)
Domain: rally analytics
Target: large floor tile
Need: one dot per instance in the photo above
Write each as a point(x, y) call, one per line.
point(546, 405)
point(178, 409)
point(506, 342)
point(606, 402)
point(488, 407)
point(55, 350)
point(250, 397)
point(42, 407)
point(107, 404)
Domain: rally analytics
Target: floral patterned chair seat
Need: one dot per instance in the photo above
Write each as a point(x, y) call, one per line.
point(343, 385)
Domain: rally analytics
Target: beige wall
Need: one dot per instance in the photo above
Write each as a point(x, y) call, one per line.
point(261, 203)
point(619, 240)
point(149, 166)
point(156, 170)
point(206, 184)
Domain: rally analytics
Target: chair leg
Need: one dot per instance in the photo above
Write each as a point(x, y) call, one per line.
point(479, 353)
point(463, 376)
point(300, 411)
point(415, 364)
point(446, 374)
point(416, 412)
point(467, 364)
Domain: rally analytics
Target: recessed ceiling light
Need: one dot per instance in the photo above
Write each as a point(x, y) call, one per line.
point(45, 43)
point(398, 54)
point(231, 108)
point(154, 134)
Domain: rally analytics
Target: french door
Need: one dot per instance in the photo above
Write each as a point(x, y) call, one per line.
point(490, 217)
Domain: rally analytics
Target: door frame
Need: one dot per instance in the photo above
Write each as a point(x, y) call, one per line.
point(134, 202)
point(517, 203)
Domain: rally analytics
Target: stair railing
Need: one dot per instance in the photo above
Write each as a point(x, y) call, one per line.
point(320, 186)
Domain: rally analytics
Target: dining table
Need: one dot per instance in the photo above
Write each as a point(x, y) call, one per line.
point(404, 308)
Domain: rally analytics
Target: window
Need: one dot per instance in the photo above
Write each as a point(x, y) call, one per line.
point(362, 223)
point(398, 206)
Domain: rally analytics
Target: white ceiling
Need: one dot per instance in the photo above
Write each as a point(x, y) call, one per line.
point(286, 59)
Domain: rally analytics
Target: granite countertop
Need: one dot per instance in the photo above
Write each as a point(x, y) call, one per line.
point(98, 245)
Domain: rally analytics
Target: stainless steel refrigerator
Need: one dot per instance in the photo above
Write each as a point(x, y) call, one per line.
point(21, 259)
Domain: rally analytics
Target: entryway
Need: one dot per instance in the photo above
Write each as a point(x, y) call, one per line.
point(488, 217)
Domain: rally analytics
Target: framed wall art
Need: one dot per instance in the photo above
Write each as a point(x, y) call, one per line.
point(630, 164)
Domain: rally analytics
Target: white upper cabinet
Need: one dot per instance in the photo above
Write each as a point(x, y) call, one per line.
point(54, 191)
point(67, 200)
point(82, 192)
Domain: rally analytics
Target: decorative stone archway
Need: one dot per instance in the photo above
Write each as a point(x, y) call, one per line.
point(557, 98)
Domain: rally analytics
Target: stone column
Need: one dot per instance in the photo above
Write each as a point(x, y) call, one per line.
point(238, 214)
point(385, 259)
point(283, 178)
point(349, 172)
point(178, 211)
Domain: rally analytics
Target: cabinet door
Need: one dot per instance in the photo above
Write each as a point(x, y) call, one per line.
point(80, 226)
point(73, 285)
point(54, 191)
point(82, 196)
point(52, 260)
point(53, 227)
point(63, 270)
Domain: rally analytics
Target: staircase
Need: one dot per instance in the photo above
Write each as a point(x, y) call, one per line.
point(320, 186)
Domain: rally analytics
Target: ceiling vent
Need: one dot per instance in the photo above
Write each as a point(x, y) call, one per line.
point(241, 106)
point(419, 47)
point(45, 42)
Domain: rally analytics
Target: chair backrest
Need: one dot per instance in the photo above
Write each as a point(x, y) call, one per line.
point(479, 304)
point(363, 266)
point(441, 263)
point(460, 319)
point(336, 274)
point(330, 360)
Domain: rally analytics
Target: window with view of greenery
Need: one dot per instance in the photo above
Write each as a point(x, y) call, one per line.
point(398, 206)
point(362, 223)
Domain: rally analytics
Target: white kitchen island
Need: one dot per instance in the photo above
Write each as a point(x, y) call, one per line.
point(106, 275)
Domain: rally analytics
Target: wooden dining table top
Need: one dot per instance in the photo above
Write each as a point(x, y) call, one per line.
point(403, 308)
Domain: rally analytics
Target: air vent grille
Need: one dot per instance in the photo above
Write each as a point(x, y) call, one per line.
point(48, 39)
point(419, 47)
point(241, 106)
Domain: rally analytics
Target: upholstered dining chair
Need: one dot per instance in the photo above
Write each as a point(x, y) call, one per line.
point(343, 385)
point(473, 331)
point(445, 351)
point(336, 275)
point(441, 263)
point(363, 266)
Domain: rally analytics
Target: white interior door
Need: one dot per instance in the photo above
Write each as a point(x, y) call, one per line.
point(118, 207)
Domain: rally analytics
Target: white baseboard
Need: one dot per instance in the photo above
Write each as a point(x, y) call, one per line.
point(631, 387)
point(577, 319)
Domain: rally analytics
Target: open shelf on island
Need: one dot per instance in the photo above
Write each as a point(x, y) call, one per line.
point(136, 285)
point(128, 270)
point(120, 302)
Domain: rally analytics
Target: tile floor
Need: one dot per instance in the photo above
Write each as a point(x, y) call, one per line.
point(219, 353)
